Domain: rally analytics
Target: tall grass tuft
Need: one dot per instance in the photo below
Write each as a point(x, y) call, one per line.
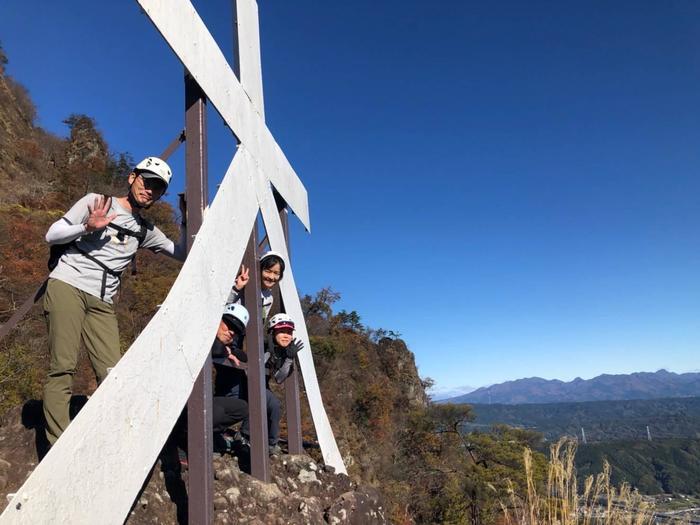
point(559, 502)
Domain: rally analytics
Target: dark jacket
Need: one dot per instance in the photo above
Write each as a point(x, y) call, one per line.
point(227, 376)
point(277, 364)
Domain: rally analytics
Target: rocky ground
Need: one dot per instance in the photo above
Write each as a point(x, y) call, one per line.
point(302, 491)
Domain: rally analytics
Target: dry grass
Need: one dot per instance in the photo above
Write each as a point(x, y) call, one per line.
point(559, 503)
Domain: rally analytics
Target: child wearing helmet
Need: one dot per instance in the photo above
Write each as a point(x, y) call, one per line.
point(281, 349)
point(91, 245)
point(271, 272)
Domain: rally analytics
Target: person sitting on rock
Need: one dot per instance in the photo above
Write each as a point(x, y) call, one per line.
point(228, 356)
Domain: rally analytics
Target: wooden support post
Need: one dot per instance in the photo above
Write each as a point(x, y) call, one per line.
point(199, 407)
point(257, 400)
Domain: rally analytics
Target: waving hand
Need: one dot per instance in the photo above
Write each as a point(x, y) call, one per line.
point(98, 218)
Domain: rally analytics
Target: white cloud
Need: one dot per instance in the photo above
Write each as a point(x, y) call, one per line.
point(438, 393)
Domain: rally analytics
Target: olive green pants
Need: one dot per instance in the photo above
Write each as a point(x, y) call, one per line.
point(72, 314)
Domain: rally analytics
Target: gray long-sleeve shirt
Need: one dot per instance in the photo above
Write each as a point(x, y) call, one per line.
point(107, 245)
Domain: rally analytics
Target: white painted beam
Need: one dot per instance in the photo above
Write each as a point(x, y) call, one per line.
point(292, 305)
point(251, 77)
point(94, 471)
point(189, 38)
point(248, 52)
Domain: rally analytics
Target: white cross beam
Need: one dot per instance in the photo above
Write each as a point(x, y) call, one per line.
point(189, 38)
point(98, 466)
point(251, 79)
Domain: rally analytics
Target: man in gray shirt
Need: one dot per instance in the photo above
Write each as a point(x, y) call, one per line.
point(98, 238)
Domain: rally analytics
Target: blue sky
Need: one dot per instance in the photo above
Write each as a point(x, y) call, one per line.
point(512, 186)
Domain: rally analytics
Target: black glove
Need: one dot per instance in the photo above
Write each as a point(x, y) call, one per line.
point(239, 353)
point(218, 349)
point(294, 348)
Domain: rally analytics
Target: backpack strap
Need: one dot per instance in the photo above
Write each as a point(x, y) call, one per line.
point(139, 235)
point(105, 270)
point(121, 232)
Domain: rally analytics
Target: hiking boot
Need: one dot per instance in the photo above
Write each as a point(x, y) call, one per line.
point(223, 443)
point(242, 439)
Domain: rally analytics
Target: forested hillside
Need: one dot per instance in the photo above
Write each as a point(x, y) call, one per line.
point(665, 466)
point(616, 431)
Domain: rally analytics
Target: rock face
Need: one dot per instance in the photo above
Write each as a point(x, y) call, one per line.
point(400, 365)
point(39, 169)
point(17, 133)
point(87, 150)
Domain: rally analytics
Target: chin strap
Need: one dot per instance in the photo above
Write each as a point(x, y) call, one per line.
point(134, 203)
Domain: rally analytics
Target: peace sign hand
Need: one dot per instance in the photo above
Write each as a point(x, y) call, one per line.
point(242, 278)
point(98, 218)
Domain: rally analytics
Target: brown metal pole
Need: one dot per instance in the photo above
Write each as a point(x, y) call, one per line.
point(257, 401)
point(262, 244)
point(291, 384)
point(22, 310)
point(199, 418)
point(172, 147)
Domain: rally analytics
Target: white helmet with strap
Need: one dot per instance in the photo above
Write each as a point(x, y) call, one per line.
point(154, 168)
point(280, 321)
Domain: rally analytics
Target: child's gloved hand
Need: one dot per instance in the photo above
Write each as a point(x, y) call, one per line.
point(294, 348)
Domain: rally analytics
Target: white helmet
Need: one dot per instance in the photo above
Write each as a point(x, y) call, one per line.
point(237, 312)
point(280, 321)
point(270, 254)
point(154, 168)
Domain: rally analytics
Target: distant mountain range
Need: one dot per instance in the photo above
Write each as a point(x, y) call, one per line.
point(606, 387)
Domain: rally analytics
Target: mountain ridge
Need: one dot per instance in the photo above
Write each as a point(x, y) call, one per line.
point(605, 387)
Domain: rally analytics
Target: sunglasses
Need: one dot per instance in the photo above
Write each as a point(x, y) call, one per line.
point(153, 184)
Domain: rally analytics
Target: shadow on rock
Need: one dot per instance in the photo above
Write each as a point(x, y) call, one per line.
point(33, 419)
